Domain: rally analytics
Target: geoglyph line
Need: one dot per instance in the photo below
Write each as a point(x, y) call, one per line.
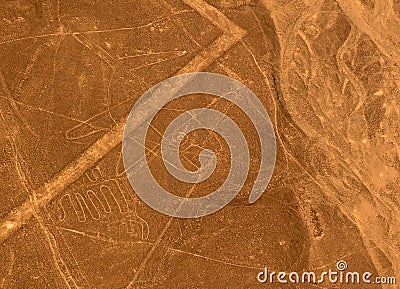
point(20, 215)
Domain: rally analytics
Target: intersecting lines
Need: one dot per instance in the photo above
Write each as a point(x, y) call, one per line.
point(99, 198)
point(232, 34)
point(19, 216)
point(62, 33)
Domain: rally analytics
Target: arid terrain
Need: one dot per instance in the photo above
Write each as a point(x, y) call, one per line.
point(327, 72)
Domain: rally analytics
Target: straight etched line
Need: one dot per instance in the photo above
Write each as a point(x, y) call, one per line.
point(215, 16)
point(19, 216)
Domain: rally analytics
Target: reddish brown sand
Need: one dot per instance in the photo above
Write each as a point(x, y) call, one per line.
point(328, 72)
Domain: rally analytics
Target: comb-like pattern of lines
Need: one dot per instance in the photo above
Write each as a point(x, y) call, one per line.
point(99, 198)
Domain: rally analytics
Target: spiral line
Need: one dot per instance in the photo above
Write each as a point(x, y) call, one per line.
point(134, 154)
point(341, 265)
